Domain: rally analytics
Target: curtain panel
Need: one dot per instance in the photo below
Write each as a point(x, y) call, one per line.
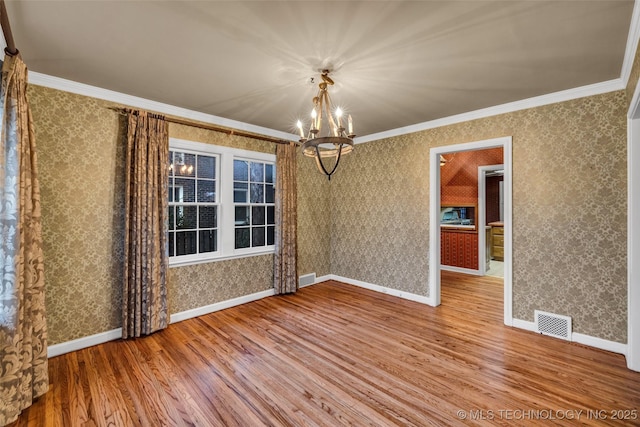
point(144, 297)
point(23, 328)
point(285, 267)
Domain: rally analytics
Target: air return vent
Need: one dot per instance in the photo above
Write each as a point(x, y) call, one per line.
point(553, 325)
point(307, 279)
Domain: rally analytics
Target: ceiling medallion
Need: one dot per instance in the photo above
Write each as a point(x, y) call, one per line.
point(333, 140)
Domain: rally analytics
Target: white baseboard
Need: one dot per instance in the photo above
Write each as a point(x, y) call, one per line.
point(460, 270)
point(612, 346)
point(201, 311)
point(322, 279)
point(382, 289)
point(523, 324)
point(600, 343)
point(103, 337)
point(84, 342)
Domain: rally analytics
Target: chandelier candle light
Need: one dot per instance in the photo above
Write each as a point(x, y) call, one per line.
point(335, 140)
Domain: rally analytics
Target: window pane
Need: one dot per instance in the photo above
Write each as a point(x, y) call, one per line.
point(257, 236)
point(257, 172)
point(184, 164)
point(240, 170)
point(240, 192)
point(257, 215)
point(271, 215)
point(172, 219)
point(206, 191)
point(170, 164)
point(170, 192)
point(257, 193)
point(208, 217)
point(206, 167)
point(242, 215)
point(271, 231)
point(185, 242)
point(171, 238)
point(269, 194)
point(184, 190)
point(208, 241)
point(242, 238)
point(268, 172)
point(186, 217)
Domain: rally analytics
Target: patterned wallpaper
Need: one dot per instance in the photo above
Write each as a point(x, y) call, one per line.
point(314, 219)
point(569, 196)
point(81, 156)
point(380, 215)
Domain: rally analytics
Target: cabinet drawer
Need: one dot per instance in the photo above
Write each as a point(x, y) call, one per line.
point(498, 240)
point(497, 252)
point(497, 230)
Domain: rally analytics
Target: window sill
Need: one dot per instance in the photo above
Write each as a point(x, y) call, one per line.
point(183, 263)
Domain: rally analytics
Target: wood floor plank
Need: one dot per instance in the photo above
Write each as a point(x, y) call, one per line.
point(334, 354)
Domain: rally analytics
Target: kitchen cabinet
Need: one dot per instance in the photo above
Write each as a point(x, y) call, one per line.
point(497, 240)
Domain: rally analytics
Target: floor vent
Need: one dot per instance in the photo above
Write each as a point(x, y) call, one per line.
point(307, 279)
point(553, 325)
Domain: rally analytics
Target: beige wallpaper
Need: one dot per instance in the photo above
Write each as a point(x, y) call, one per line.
point(314, 219)
point(569, 196)
point(80, 149)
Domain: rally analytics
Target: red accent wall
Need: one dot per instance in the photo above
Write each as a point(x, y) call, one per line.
point(459, 176)
point(459, 185)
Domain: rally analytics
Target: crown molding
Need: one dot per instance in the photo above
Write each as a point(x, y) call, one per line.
point(538, 101)
point(58, 83)
point(632, 44)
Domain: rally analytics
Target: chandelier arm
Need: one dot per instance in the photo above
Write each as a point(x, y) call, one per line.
point(321, 166)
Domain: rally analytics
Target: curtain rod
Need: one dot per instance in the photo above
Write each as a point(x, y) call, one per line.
point(6, 30)
point(211, 127)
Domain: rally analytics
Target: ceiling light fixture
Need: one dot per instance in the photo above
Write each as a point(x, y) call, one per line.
point(335, 140)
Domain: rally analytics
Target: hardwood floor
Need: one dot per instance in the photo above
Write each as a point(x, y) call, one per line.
point(336, 354)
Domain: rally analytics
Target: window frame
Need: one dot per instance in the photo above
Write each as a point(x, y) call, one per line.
point(251, 205)
point(224, 200)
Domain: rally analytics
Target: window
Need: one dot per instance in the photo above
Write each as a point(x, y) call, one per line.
point(253, 196)
point(193, 207)
point(221, 202)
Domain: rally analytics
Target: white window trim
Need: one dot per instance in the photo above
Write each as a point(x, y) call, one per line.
point(226, 212)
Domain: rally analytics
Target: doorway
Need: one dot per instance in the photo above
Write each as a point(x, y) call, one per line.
point(491, 207)
point(435, 210)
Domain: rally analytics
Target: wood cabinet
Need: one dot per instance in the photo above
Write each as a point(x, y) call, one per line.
point(497, 241)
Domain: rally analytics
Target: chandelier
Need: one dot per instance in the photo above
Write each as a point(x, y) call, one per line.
point(332, 141)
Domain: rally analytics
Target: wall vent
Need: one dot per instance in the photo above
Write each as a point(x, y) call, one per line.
point(553, 325)
point(307, 279)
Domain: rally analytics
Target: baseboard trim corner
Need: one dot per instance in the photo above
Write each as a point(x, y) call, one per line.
point(384, 290)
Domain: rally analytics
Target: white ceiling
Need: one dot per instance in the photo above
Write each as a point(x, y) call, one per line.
point(395, 63)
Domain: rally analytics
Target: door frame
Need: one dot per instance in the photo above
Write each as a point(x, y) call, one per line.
point(434, 214)
point(482, 207)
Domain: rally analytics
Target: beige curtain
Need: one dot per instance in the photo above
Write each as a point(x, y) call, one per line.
point(285, 267)
point(23, 327)
point(144, 296)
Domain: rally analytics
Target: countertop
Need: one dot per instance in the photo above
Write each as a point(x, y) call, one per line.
point(497, 224)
